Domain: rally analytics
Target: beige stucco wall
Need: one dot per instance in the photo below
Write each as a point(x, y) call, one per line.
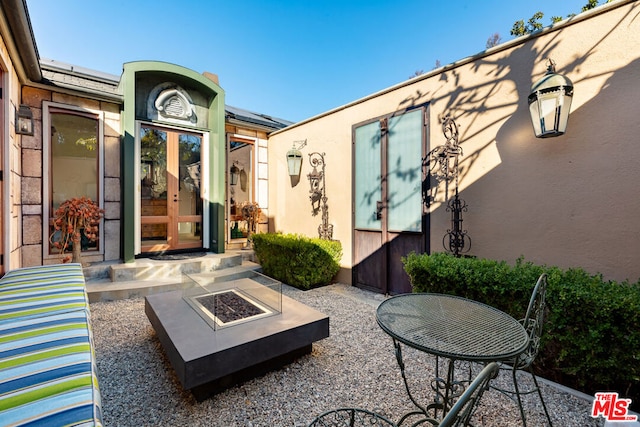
point(571, 201)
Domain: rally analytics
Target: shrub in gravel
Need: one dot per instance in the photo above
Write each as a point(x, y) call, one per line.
point(592, 331)
point(297, 260)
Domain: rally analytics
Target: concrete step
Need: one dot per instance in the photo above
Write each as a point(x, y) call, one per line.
point(104, 289)
point(173, 266)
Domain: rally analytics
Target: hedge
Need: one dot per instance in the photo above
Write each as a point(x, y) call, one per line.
point(591, 336)
point(296, 260)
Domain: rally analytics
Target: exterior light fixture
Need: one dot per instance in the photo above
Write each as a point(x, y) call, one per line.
point(294, 158)
point(234, 173)
point(24, 120)
point(318, 195)
point(550, 103)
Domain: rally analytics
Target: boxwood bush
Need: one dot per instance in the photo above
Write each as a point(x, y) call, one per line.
point(296, 260)
point(592, 331)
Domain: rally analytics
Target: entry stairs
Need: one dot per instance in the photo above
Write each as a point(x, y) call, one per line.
point(116, 281)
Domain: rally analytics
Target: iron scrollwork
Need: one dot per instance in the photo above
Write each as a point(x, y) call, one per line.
point(318, 194)
point(444, 167)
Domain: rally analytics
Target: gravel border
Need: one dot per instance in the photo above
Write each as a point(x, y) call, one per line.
point(355, 367)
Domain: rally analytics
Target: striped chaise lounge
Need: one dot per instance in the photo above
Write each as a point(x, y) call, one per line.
point(47, 363)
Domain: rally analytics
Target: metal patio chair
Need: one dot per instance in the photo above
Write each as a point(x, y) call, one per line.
point(350, 417)
point(459, 415)
point(533, 323)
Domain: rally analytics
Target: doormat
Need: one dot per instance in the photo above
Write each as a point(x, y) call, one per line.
point(177, 257)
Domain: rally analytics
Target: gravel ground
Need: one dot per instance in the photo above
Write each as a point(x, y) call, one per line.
point(354, 367)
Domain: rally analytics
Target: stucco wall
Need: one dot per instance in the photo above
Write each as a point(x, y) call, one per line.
point(570, 201)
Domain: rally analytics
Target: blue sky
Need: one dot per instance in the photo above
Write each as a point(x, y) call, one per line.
point(291, 59)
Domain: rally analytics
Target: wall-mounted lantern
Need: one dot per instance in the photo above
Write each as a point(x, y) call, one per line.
point(550, 103)
point(24, 120)
point(294, 158)
point(234, 174)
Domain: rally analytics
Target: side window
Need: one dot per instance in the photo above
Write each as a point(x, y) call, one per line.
point(240, 181)
point(74, 161)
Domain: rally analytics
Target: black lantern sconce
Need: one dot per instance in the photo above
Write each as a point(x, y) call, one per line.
point(550, 103)
point(234, 173)
point(24, 120)
point(318, 195)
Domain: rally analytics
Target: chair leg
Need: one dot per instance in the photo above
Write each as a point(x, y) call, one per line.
point(535, 381)
point(514, 371)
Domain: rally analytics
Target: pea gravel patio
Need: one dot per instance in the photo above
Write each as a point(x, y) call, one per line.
point(355, 366)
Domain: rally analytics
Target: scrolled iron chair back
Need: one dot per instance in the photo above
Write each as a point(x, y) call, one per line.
point(533, 323)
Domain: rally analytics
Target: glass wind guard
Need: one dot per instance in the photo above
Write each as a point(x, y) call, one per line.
point(405, 172)
point(225, 303)
point(368, 190)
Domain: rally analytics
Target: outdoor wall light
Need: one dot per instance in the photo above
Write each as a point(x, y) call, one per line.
point(294, 158)
point(24, 120)
point(234, 174)
point(550, 103)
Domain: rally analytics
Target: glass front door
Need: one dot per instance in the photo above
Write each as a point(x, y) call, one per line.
point(170, 190)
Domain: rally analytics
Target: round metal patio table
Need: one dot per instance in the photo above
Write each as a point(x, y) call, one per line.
point(452, 327)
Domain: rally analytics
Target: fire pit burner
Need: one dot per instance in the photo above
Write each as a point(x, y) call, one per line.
point(229, 307)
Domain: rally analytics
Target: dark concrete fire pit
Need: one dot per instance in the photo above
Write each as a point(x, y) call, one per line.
point(220, 334)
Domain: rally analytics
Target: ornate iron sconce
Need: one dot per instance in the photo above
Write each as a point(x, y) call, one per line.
point(444, 166)
point(456, 238)
point(318, 195)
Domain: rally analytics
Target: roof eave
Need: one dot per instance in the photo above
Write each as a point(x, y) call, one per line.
point(17, 17)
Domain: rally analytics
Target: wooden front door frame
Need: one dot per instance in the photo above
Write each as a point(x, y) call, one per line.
point(172, 218)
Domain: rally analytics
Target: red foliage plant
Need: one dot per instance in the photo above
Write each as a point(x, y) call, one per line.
point(74, 217)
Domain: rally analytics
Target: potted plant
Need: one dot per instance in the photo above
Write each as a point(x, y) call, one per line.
point(251, 213)
point(76, 217)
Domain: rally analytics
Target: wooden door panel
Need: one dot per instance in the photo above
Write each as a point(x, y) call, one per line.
point(400, 245)
point(370, 261)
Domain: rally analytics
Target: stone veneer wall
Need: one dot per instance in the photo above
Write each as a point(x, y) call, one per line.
point(32, 182)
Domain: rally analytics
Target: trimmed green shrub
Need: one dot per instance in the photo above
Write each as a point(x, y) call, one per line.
point(296, 260)
point(591, 337)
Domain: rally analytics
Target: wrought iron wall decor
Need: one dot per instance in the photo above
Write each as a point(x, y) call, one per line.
point(444, 167)
point(318, 195)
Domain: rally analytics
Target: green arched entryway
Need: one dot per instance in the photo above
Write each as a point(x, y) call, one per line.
point(159, 95)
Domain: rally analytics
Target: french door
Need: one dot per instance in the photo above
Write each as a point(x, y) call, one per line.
point(170, 189)
point(390, 215)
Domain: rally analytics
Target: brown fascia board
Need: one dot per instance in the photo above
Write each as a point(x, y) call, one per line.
point(17, 16)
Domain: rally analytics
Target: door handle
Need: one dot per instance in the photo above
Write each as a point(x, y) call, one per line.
point(378, 212)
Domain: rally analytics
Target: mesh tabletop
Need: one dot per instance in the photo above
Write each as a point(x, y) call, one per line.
point(452, 327)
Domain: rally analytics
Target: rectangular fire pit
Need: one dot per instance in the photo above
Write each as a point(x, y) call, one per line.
point(219, 334)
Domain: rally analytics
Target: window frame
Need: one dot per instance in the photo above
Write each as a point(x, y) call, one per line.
point(49, 108)
point(253, 195)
